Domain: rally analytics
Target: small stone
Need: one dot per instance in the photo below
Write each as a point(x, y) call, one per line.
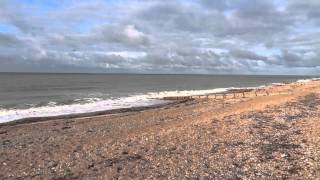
point(66, 127)
point(125, 152)
point(90, 165)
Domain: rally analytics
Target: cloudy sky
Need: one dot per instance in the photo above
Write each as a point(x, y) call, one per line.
point(159, 36)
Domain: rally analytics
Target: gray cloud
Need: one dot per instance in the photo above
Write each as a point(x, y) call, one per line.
point(216, 4)
point(307, 59)
point(244, 54)
point(219, 36)
point(8, 40)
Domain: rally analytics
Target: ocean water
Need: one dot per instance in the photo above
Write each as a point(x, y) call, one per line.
point(24, 95)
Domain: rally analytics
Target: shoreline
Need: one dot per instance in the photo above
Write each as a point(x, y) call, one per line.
point(173, 100)
point(88, 115)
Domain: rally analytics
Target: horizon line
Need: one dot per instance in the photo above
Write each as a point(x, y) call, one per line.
point(131, 73)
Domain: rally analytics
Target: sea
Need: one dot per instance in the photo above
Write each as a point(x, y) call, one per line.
point(27, 95)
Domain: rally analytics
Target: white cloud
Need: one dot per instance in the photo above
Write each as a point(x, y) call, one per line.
point(133, 34)
point(128, 54)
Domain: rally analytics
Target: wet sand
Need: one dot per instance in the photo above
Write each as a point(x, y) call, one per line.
point(261, 137)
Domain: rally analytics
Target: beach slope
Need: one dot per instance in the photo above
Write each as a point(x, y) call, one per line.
point(274, 136)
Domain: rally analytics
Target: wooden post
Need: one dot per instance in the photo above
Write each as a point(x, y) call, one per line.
point(234, 95)
point(243, 94)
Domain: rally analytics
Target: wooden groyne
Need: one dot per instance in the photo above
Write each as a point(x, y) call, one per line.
point(275, 89)
point(232, 94)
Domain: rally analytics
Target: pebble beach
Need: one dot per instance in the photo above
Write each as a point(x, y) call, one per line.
point(267, 136)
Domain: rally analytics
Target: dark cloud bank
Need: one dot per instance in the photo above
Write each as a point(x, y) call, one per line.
point(136, 36)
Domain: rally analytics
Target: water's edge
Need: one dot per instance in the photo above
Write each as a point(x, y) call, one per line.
point(89, 114)
point(137, 103)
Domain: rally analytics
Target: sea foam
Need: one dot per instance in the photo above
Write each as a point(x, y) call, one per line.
point(96, 104)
